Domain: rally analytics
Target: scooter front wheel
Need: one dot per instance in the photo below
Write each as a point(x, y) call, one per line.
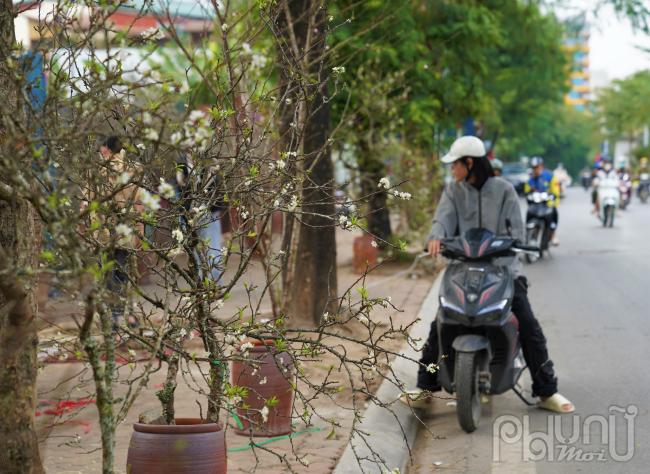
point(534, 237)
point(468, 405)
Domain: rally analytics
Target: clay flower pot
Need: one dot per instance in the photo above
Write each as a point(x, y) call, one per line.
point(271, 377)
point(191, 446)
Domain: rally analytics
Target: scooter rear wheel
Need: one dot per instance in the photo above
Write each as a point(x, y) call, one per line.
point(468, 405)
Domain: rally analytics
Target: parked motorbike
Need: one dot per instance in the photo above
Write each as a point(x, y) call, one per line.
point(608, 198)
point(539, 223)
point(643, 191)
point(477, 331)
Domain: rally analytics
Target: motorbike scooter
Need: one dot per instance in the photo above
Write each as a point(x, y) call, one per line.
point(477, 331)
point(539, 225)
point(608, 199)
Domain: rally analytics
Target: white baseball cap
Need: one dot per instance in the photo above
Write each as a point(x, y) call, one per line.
point(465, 146)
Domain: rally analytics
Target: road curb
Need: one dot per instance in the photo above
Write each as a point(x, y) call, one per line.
point(391, 433)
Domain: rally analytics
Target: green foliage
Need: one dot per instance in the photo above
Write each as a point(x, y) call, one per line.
point(624, 107)
point(560, 134)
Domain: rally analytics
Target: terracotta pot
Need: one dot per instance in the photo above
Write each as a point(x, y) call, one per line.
point(191, 446)
point(364, 255)
point(273, 378)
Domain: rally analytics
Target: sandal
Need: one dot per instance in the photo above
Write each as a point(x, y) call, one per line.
point(557, 403)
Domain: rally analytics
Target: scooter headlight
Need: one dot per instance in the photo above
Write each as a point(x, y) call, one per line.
point(495, 308)
point(446, 304)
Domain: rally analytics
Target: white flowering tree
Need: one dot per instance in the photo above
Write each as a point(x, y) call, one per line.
point(126, 164)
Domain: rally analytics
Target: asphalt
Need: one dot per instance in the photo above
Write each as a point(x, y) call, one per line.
point(591, 297)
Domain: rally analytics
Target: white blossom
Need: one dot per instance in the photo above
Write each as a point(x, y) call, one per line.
point(151, 134)
point(177, 235)
point(153, 33)
point(123, 230)
point(431, 368)
point(343, 221)
point(374, 243)
point(363, 319)
point(258, 61)
point(196, 115)
point(176, 251)
point(219, 304)
point(183, 332)
point(246, 346)
point(265, 413)
point(141, 146)
point(280, 164)
point(224, 27)
point(276, 203)
point(224, 251)
point(146, 118)
point(293, 204)
point(230, 339)
point(165, 189)
point(124, 178)
point(176, 138)
point(405, 196)
point(263, 381)
point(384, 183)
point(338, 70)
point(149, 200)
point(246, 48)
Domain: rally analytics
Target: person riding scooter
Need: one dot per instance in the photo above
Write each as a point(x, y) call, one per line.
point(543, 181)
point(643, 179)
point(477, 199)
point(624, 185)
point(497, 166)
point(607, 173)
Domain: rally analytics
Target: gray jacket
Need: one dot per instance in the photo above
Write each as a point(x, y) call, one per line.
point(463, 207)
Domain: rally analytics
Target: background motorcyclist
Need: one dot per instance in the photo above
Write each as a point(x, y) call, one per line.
point(606, 172)
point(642, 173)
point(543, 181)
point(625, 183)
point(497, 166)
point(478, 199)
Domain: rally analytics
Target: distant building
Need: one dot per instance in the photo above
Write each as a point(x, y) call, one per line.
point(189, 17)
point(576, 44)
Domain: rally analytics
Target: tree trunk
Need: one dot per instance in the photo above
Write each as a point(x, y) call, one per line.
point(312, 280)
point(19, 231)
point(20, 243)
point(315, 282)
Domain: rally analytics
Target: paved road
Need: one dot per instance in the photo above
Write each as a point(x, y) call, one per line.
point(593, 301)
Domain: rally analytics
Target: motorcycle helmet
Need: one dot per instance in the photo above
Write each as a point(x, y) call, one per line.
point(536, 161)
point(463, 147)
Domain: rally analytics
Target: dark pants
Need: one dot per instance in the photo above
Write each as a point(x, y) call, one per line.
point(116, 283)
point(554, 219)
point(533, 344)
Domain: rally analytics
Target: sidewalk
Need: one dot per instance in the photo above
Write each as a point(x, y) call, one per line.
point(392, 436)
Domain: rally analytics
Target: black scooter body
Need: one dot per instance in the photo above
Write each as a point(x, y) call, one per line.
point(475, 311)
